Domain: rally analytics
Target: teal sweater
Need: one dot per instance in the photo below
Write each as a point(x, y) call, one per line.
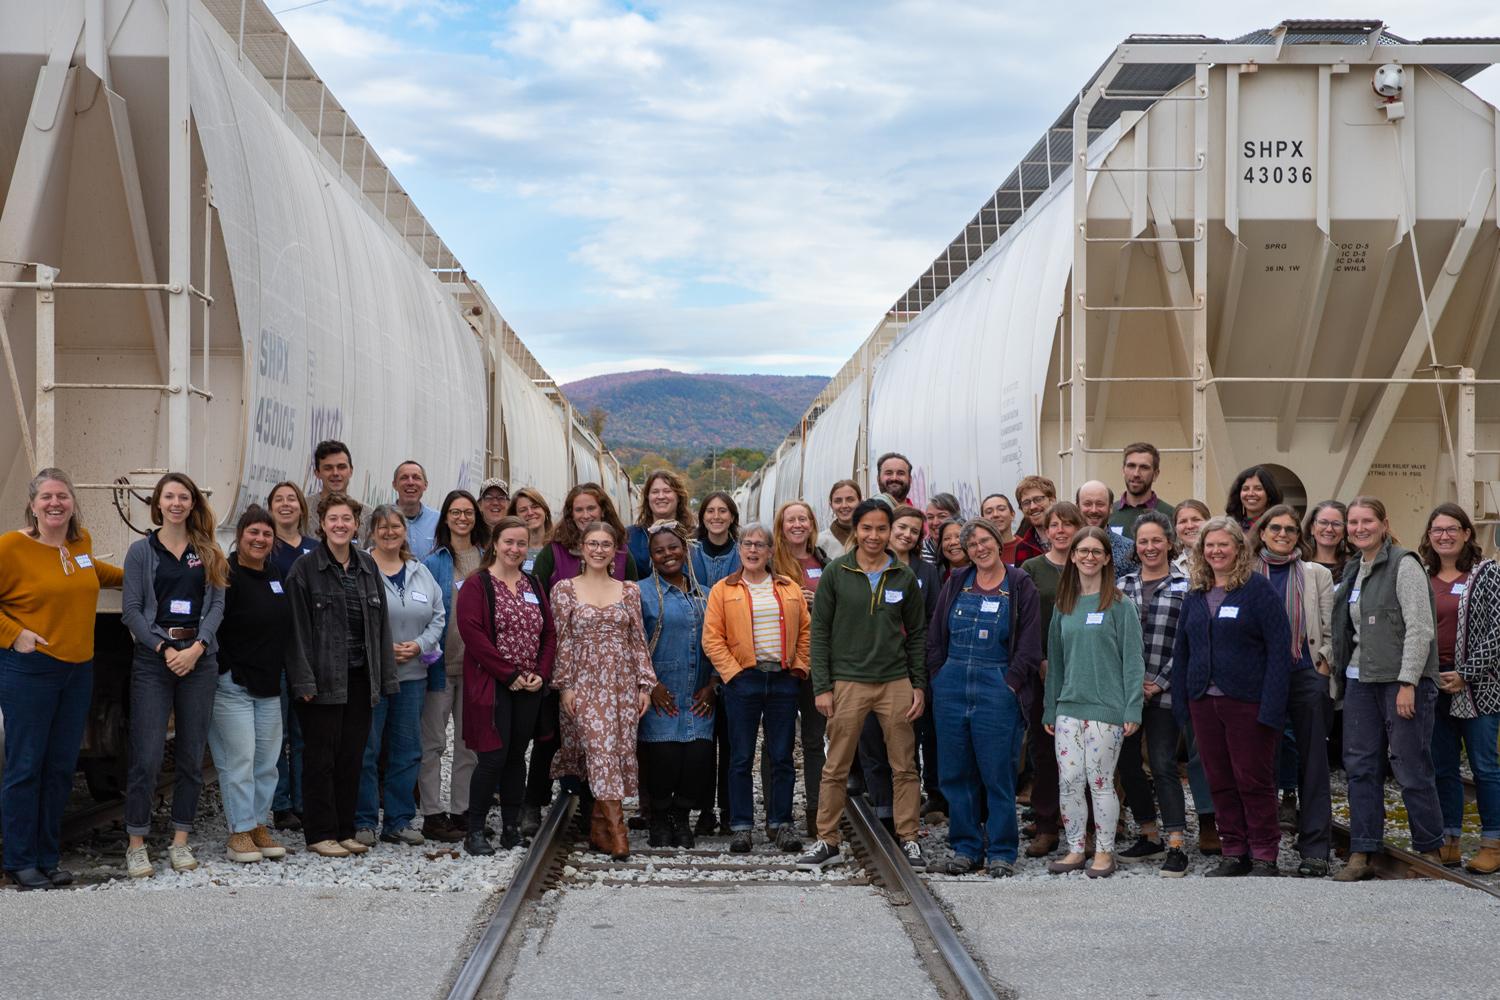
point(1095, 666)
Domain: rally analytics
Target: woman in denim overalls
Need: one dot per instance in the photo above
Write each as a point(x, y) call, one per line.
point(983, 651)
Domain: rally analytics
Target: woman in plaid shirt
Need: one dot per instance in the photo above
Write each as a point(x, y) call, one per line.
point(1157, 589)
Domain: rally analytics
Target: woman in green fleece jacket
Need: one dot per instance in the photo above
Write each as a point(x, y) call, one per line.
point(1095, 673)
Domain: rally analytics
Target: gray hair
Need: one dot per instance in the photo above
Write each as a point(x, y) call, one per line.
point(944, 501)
point(757, 528)
point(53, 475)
point(966, 533)
point(390, 512)
point(1159, 519)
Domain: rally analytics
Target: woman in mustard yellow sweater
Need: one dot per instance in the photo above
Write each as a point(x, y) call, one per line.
point(49, 588)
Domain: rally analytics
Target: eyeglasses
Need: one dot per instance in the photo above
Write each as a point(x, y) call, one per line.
point(461, 515)
point(754, 546)
point(1089, 553)
point(1034, 501)
point(1283, 529)
point(492, 498)
point(598, 546)
point(69, 567)
point(1444, 532)
point(1328, 525)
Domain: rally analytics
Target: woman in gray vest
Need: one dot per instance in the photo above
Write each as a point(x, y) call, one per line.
point(1386, 667)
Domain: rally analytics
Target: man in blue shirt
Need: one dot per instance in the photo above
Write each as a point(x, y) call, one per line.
point(410, 484)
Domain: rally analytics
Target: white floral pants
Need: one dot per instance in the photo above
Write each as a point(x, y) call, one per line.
point(1087, 753)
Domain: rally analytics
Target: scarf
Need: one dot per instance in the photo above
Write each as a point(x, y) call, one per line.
point(1294, 595)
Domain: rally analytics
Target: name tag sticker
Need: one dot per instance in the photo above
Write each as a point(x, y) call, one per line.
point(1228, 611)
point(84, 562)
point(530, 598)
point(1095, 618)
point(893, 596)
point(458, 585)
point(814, 573)
point(526, 566)
point(419, 597)
point(989, 607)
point(1179, 587)
point(1458, 588)
point(1118, 529)
point(984, 633)
point(1354, 596)
point(1372, 619)
point(180, 607)
point(276, 587)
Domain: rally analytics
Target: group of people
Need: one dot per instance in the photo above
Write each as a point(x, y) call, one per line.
point(1045, 652)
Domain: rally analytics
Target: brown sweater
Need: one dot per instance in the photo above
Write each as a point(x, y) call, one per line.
point(37, 593)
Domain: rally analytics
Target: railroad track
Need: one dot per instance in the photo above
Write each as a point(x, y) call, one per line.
point(82, 823)
point(556, 860)
point(1397, 863)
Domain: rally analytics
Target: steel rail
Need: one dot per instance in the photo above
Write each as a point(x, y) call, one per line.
point(1395, 863)
point(526, 882)
point(897, 874)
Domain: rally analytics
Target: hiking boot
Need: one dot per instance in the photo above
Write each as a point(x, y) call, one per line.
point(1312, 868)
point(1356, 869)
point(1144, 849)
point(510, 838)
point(1208, 835)
point(329, 849)
point(138, 863)
point(1487, 861)
point(1286, 813)
point(707, 823)
point(788, 841)
point(267, 844)
point(1001, 869)
point(59, 877)
point(478, 845)
point(1261, 868)
point(681, 830)
point(661, 831)
point(819, 857)
point(912, 851)
point(531, 820)
point(741, 842)
point(241, 849)
point(181, 857)
point(1041, 845)
point(956, 865)
point(1231, 867)
point(366, 837)
point(1176, 863)
point(1451, 853)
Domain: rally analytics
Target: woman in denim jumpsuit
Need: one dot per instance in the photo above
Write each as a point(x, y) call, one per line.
point(677, 731)
point(983, 648)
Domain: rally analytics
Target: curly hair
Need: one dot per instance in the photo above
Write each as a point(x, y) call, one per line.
point(1239, 572)
point(568, 533)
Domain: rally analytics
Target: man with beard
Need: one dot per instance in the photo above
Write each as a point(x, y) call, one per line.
point(1142, 464)
point(893, 472)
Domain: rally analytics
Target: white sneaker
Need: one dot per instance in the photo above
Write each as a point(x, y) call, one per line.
point(138, 863)
point(366, 837)
point(181, 856)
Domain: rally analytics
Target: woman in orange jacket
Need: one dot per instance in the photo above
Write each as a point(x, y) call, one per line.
point(756, 635)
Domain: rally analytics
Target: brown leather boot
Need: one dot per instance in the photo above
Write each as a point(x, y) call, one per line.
point(1356, 869)
point(614, 828)
point(599, 837)
point(1450, 854)
point(1041, 845)
point(1487, 861)
point(1208, 835)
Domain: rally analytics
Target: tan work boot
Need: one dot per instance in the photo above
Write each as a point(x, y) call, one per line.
point(1041, 845)
point(1208, 835)
point(1451, 854)
point(267, 844)
point(1487, 861)
point(1356, 869)
point(241, 849)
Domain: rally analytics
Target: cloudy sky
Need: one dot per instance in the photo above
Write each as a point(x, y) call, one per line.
point(718, 186)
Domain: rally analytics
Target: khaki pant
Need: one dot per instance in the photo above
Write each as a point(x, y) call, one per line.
point(436, 709)
point(852, 702)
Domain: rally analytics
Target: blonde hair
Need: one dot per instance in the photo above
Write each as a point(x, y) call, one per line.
point(1202, 572)
point(782, 560)
point(75, 520)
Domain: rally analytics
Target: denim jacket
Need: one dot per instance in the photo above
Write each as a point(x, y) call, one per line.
point(674, 632)
point(440, 565)
point(709, 570)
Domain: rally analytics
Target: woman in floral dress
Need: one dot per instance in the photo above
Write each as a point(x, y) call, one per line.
point(603, 672)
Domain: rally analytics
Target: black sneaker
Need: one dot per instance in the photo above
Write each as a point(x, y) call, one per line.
point(1176, 864)
point(1230, 867)
point(1312, 868)
point(285, 819)
point(787, 840)
point(1264, 869)
point(912, 851)
point(1144, 849)
point(1001, 869)
point(706, 824)
point(741, 842)
point(477, 845)
point(956, 865)
point(821, 856)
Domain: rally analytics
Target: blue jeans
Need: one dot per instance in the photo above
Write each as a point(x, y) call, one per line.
point(288, 795)
point(46, 705)
point(980, 729)
point(397, 720)
point(157, 694)
point(245, 738)
point(751, 696)
point(1479, 735)
point(1372, 731)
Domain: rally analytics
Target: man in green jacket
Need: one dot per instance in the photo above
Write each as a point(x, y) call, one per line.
point(868, 636)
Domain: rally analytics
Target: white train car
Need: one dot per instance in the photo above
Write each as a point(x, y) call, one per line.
point(1248, 252)
point(205, 266)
